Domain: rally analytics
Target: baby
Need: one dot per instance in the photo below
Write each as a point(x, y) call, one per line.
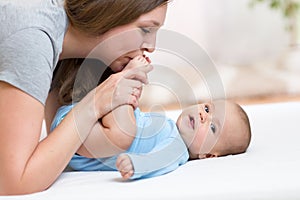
point(208, 130)
point(160, 145)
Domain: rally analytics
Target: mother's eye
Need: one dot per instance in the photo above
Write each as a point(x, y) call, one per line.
point(145, 30)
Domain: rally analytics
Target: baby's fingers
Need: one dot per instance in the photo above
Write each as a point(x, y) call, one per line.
point(127, 175)
point(123, 163)
point(125, 166)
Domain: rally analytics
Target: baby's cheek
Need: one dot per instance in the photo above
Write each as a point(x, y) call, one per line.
point(208, 143)
point(199, 140)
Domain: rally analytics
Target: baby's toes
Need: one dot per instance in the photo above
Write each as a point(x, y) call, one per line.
point(143, 60)
point(138, 58)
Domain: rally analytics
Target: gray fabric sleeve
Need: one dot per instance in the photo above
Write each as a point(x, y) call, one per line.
point(26, 62)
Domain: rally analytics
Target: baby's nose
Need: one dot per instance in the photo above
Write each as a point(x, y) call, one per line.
point(204, 116)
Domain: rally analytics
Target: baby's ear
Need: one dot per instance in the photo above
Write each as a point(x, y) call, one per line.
point(206, 155)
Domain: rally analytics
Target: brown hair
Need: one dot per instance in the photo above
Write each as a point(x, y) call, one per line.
point(95, 17)
point(74, 78)
point(240, 147)
point(246, 121)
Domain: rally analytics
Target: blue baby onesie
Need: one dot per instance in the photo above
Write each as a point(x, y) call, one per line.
point(156, 150)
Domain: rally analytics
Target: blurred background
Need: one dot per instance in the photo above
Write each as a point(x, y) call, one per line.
point(252, 44)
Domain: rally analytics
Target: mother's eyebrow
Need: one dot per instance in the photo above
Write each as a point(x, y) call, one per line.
point(155, 23)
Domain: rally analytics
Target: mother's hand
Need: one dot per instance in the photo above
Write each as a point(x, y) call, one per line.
point(138, 62)
point(121, 88)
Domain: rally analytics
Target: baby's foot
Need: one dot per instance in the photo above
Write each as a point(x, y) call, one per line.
point(137, 61)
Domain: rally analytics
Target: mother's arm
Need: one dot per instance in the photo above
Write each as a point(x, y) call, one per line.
point(26, 163)
point(51, 107)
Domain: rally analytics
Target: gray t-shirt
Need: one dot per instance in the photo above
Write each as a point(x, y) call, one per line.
point(31, 37)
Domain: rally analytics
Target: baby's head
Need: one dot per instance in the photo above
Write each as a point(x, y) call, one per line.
point(214, 129)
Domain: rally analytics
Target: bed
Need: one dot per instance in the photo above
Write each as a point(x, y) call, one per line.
point(270, 169)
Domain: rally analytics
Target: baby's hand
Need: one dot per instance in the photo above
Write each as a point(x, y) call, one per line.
point(125, 166)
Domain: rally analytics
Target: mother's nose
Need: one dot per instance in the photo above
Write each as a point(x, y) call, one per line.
point(148, 47)
point(149, 43)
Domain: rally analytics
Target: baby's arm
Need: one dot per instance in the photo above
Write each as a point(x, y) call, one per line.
point(166, 156)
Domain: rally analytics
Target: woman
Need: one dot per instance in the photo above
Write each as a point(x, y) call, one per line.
point(34, 36)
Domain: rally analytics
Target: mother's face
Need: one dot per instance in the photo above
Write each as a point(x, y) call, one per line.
point(119, 45)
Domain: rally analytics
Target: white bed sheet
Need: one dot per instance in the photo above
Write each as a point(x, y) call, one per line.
point(270, 169)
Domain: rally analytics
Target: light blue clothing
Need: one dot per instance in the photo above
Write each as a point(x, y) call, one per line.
point(157, 149)
point(31, 39)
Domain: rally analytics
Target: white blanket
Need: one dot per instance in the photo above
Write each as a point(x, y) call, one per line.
point(270, 169)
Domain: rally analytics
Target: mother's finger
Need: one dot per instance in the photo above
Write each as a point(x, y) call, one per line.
point(139, 73)
point(130, 83)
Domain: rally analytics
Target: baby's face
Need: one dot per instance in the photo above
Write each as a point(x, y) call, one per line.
point(200, 126)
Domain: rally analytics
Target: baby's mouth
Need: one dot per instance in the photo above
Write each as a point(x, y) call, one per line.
point(192, 122)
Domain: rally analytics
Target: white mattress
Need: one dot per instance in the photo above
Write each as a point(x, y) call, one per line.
point(269, 170)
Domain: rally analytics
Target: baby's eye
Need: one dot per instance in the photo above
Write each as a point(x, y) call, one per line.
point(213, 128)
point(206, 108)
